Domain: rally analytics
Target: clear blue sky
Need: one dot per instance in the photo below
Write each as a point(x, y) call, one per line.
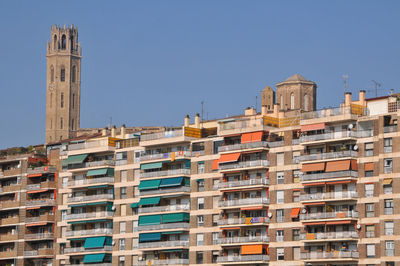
point(152, 62)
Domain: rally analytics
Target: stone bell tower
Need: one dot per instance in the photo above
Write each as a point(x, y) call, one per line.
point(63, 83)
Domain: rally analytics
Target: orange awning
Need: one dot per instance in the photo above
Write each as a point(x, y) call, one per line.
point(314, 203)
point(295, 213)
point(387, 181)
point(354, 165)
point(314, 184)
point(36, 224)
point(229, 158)
point(252, 208)
point(252, 137)
point(36, 191)
point(312, 127)
point(231, 228)
point(369, 166)
point(34, 175)
point(251, 249)
point(215, 165)
point(311, 167)
point(338, 222)
point(339, 182)
point(32, 208)
point(335, 166)
point(314, 223)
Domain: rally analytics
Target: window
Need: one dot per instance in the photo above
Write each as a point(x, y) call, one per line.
point(200, 168)
point(61, 123)
point(215, 238)
point(387, 145)
point(123, 209)
point(369, 210)
point(62, 100)
point(370, 231)
point(199, 257)
point(215, 219)
point(281, 102)
point(215, 255)
point(124, 175)
point(369, 149)
point(200, 185)
point(369, 173)
point(200, 239)
point(387, 189)
point(279, 215)
point(200, 203)
point(134, 226)
point(369, 190)
point(122, 227)
point(280, 177)
point(389, 263)
point(280, 196)
point(122, 244)
point(280, 254)
point(280, 158)
point(279, 235)
point(389, 248)
point(296, 195)
point(72, 124)
point(123, 192)
point(306, 102)
point(389, 228)
point(388, 206)
point(51, 74)
point(296, 234)
point(296, 176)
point(370, 250)
point(62, 75)
point(73, 74)
point(200, 220)
point(296, 253)
point(73, 100)
point(388, 165)
point(63, 42)
point(292, 100)
point(121, 261)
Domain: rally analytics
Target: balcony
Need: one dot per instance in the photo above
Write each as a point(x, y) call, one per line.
point(241, 202)
point(11, 188)
point(330, 196)
point(42, 202)
point(164, 262)
point(88, 215)
point(82, 249)
point(165, 173)
point(8, 254)
point(162, 156)
point(246, 164)
point(12, 172)
point(330, 112)
point(9, 220)
point(322, 255)
point(329, 175)
point(89, 145)
point(326, 156)
point(243, 258)
point(244, 221)
point(43, 218)
point(243, 239)
point(162, 244)
point(91, 181)
point(328, 136)
point(8, 237)
point(390, 129)
point(92, 197)
point(163, 226)
point(42, 170)
point(244, 146)
point(183, 207)
point(9, 204)
point(162, 135)
point(105, 163)
point(181, 189)
point(329, 235)
point(99, 231)
point(42, 185)
point(243, 183)
point(328, 215)
point(39, 252)
point(241, 126)
point(39, 236)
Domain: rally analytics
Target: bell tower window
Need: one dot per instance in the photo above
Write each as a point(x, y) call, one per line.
point(73, 74)
point(306, 102)
point(63, 42)
point(292, 101)
point(55, 44)
point(62, 100)
point(62, 76)
point(51, 74)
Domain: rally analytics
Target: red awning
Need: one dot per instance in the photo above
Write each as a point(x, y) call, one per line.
point(231, 228)
point(334, 166)
point(252, 137)
point(252, 208)
point(37, 191)
point(369, 166)
point(34, 175)
point(215, 165)
point(32, 208)
point(312, 127)
point(314, 203)
point(229, 158)
point(311, 167)
point(295, 213)
point(36, 224)
point(339, 182)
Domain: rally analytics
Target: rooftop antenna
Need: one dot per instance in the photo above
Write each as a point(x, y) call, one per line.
point(377, 86)
point(110, 122)
point(345, 78)
point(202, 111)
point(256, 102)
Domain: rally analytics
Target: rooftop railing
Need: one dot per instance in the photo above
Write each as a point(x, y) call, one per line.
point(328, 112)
point(248, 123)
point(89, 145)
point(162, 135)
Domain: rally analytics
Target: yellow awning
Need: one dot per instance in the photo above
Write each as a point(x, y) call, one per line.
point(387, 181)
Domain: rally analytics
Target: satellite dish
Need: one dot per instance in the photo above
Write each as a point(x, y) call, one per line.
point(304, 211)
point(350, 126)
point(358, 226)
point(113, 208)
point(355, 147)
point(269, 214)
point(113, 243)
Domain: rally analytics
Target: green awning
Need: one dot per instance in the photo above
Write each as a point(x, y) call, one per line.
point(77, 205)
point(76, 159)
point(199, 180)
point(101, 186)
point(175, 217)
point(135, 205)
point(149, 184)
point(172, 233)
point(94, 242)
point(149, 201)
point(97, 203)
point(149, 219)
point(96, 172)
point(171, 250)
point(94, 258)
point(150, 166)
point(76, 239)
point(171, 182)
point(149, 237)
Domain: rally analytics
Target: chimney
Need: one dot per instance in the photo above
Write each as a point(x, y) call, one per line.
point(264, 110)
point(249, 111)
point(187, 120)
point(347, 99)
point(104, 131)
point(197, 121)
point(361, 97)
point(113, 131)
point(123, 130)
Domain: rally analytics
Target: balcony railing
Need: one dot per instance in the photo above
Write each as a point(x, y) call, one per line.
point(328, 112)
point(88, 145)
point(163, 226)
point(99, 231)
point(242, 183)
point(165, 173)
point(164, 262)
point(163, 191)
point(244, 146)
point(388, 211)
point(42, 170)
point(9, 220)
point(329, 255)
point(47, 184)
point(326, 156)
point(42, 202)
point(39, 218)
point(311, 177)
point(246, 221)
point(182, 207)
point(74, 216)
point(329, 195)
point(82, 249)
point(274, 144)
point(39, 252)
point(39, 236)
point(92, 197)
point(329, 136)
point(158, 244)
point(243, 258)
point(10, 188)
point(239, 202)
point(162, 135)
point(329, 215)
point(159, 156)
point(389, 129)
point(329, 235)
point(245, 164)
point(243, 239)
point(92, 164)
point(91, 181)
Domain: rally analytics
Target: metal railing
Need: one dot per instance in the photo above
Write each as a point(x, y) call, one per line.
point(253, 163)
point(92, 197)
point(364, 133)
point(158, 156)
point(329, 215)
point(182, 171)
point(74, 216)
point(247, 220)
point(243, 239)
point(311, 177)
point(39, 236)
point(328, 136)
point(388, 211)
point(40, 202)
point(327, 112)
point(162, 135)
point(238, 202)
point(91, 181)
point(329, 255)
point(182, 207)
point(158, 244)
point(163, 226)
point(98, 231)
point(329, 195)
point(329, 235)
point(326, 155)
point(389, 129)
point(275, 144)
point(164, 262)
point(166, 190)
point(40, 170)
point(244, 146)
point(242, 183)
point(92, 164)
point(242, 258)
point(82, 249)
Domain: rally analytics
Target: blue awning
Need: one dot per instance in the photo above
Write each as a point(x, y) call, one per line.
point(149, 237)
point(171, 182)
point(94, 242)
point(150, 166)
point(94, 258)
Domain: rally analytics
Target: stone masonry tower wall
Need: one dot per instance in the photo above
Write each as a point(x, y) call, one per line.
point(63, 83)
